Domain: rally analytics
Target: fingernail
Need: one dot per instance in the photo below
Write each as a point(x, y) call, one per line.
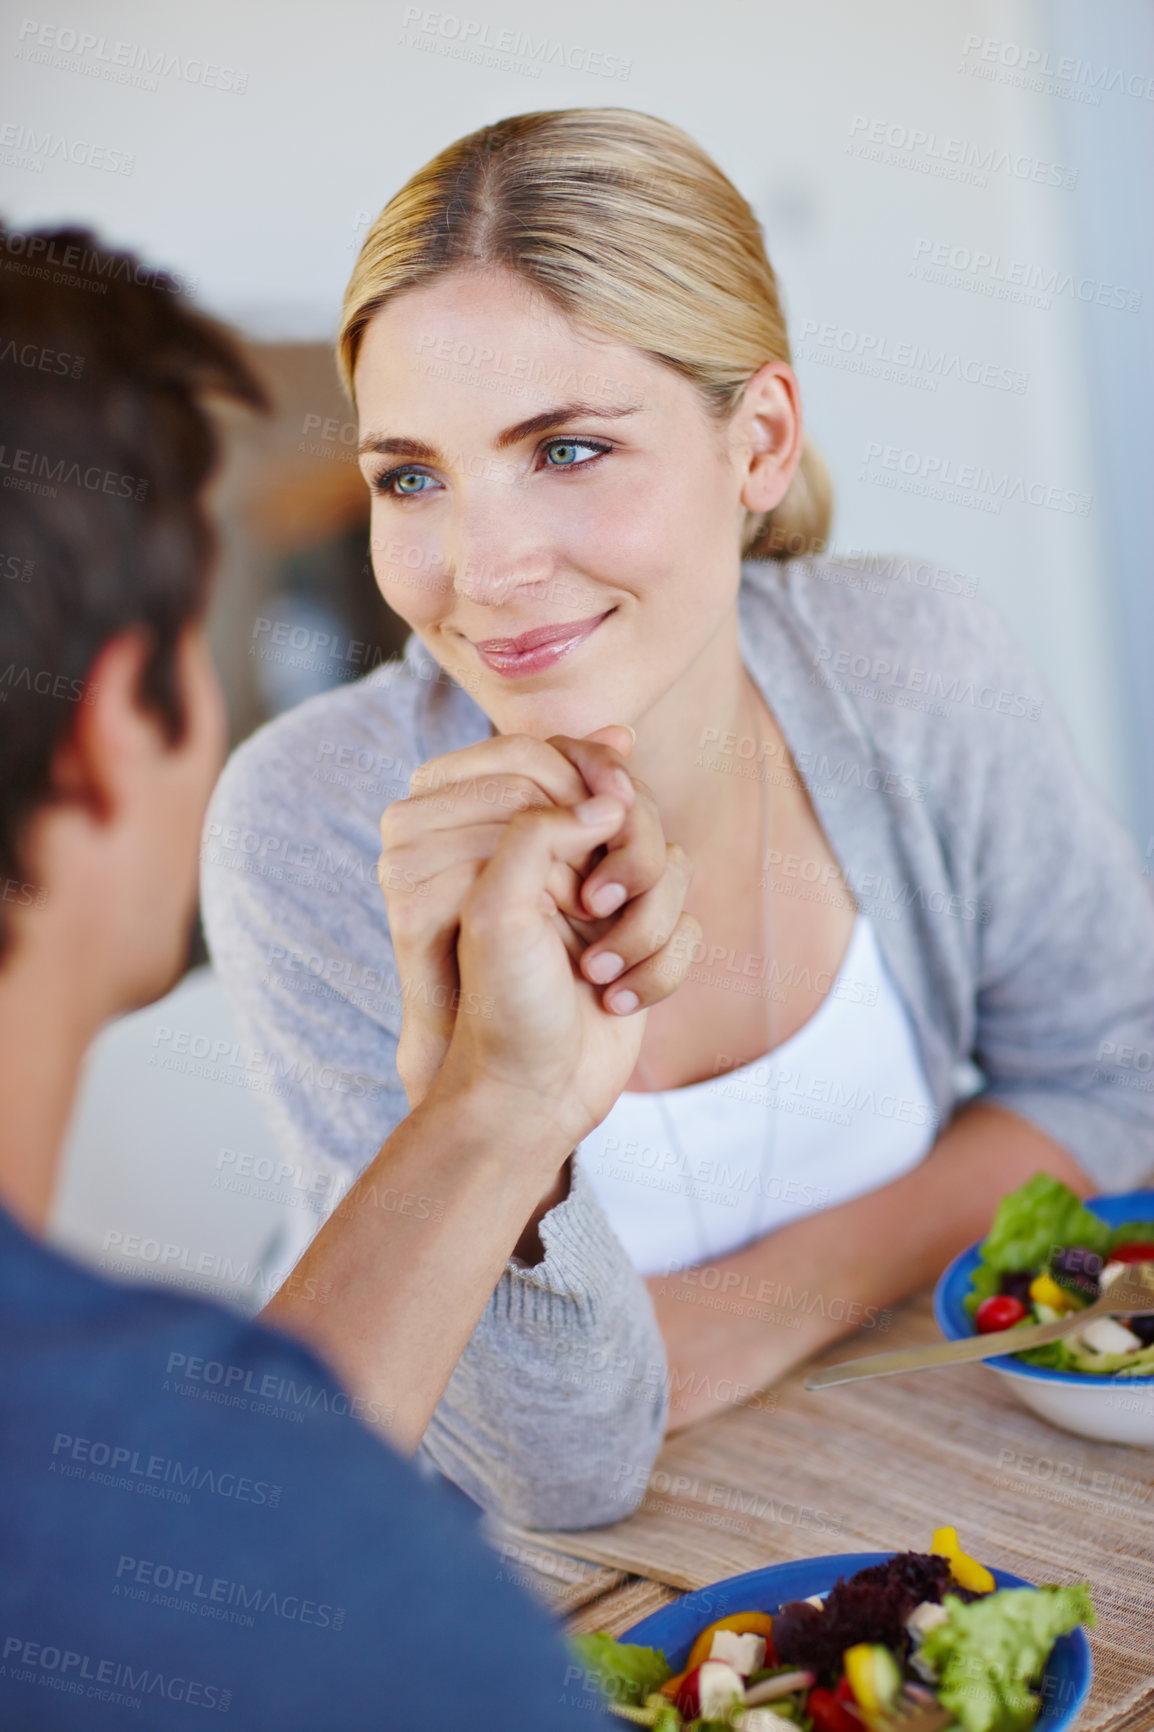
point(624, 1002)
point(604, 966)
point(599, 809)
point(606, 898)
point(632, 731)
point(624, 782)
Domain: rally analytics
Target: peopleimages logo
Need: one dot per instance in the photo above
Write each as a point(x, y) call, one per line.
point(1031, 68)
point(120, 62)
point(1016, 280)
point(475, 39)
point(23, 147)
point(929, 152)
point(218, 1591)
point(881, 356)
point(107, 1680)
point(995, 486)
point(75, 1457)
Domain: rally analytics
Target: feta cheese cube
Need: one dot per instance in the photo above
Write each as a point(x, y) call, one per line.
point(718, 1688)
point(925, 1617)
point(1107, 1335)
point(745, 1653)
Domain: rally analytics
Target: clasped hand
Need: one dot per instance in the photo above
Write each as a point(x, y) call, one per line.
point(528, 885)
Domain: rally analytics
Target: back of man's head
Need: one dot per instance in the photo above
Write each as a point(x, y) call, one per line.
point(105, 447)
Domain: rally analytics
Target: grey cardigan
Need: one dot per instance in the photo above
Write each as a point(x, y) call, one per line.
point(1009, 905)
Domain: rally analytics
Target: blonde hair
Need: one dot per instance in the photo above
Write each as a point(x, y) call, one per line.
point(626, 225)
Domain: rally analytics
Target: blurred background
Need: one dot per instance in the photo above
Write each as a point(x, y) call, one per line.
point(956, 200)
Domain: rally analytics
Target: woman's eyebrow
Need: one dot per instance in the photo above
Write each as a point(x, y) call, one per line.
point(417, 449)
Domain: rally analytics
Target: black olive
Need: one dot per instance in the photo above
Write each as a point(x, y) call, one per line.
point(1143, 1328)
point(794, 1628)
point(1016, 1283)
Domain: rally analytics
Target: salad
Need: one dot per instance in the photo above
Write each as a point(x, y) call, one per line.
point(929, 1626)
point(1047, 1256)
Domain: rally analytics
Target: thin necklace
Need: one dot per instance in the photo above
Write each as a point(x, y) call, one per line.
point(754, 1229)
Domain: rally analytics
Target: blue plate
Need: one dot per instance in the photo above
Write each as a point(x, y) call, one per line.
point(954, 1320)
point(1065, 1682)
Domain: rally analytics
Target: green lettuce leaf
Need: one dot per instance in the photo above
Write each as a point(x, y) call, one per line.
point(985, 1281)
point(627, 1674)
point(1041, 1215)
point(989, 1652)
point(1133, 1233)
point(1055, 1356)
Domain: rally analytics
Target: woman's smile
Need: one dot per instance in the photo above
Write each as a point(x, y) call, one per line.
point(534, 651)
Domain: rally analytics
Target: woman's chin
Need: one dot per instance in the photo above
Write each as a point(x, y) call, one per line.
point(543, 714)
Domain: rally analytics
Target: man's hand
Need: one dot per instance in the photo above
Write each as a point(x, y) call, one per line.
point(621, 901)
point(535, 1034)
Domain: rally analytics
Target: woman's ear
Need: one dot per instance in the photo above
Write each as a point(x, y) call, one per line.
point(767, 435)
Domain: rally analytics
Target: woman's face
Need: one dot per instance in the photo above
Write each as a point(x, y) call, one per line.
point(528, 478)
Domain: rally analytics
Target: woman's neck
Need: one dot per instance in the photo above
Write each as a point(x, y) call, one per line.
point(699, 748)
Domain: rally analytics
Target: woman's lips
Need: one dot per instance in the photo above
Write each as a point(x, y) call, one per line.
point(514, 657)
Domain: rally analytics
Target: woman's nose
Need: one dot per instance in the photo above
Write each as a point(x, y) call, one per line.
point(496, 547)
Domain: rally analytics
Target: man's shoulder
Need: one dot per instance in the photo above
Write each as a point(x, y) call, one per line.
point(155, 1364)
point(185, 1495)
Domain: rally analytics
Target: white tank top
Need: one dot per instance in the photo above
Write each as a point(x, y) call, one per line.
point(840, 1108)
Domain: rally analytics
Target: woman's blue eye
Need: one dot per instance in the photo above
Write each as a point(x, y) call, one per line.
point(408, 481)
point(565, 451)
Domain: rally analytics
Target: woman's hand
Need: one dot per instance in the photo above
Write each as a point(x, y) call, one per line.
point(435, 843)
point(531, 1032)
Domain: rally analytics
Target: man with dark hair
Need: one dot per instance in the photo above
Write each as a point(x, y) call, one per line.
point(262, 1554)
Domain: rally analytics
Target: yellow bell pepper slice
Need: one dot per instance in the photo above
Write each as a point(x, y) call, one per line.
point(1044, 1290)
point(859, 1670)
point(966, 1571)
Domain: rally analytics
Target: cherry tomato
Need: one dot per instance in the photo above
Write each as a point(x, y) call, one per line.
point(1138, 1251)
point(830, 1715)
point(999, 1311)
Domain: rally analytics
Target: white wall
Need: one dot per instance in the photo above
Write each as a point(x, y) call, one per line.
point(260, 193)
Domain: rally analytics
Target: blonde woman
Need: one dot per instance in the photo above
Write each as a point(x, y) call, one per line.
point(905, 935)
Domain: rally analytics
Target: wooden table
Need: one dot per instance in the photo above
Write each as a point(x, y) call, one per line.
point(876, 1466)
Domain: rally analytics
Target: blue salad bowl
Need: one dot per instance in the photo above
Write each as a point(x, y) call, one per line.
point(1063, 1689)
point(1112, 1409)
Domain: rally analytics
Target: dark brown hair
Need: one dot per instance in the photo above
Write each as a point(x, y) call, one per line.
point(105, 448)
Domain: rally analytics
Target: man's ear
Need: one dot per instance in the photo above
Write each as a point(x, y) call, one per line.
point(769, 434)
point(112, 737)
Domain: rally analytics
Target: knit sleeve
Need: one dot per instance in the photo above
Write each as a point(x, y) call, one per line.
point(1064, 1029)
point(556, 1411)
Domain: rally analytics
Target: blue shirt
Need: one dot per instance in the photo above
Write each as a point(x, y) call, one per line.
point(195, 1524)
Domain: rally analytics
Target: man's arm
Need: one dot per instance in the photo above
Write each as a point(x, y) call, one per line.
point(392, 1287)
point(803, 1286)
point(555, 1411)
point(390, 1297)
